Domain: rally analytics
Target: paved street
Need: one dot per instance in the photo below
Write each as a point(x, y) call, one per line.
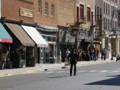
point(103, 76)
point(48, 67)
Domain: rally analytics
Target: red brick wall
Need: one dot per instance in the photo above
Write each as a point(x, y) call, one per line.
point(10, 9)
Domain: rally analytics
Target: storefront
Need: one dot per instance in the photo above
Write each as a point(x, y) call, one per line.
point(115, 41)
point(66, 40)
point(22, 48)
point(42, 45)
point(5, 41)
point(51, 36)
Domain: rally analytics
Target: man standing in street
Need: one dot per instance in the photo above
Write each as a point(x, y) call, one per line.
point(72, 57)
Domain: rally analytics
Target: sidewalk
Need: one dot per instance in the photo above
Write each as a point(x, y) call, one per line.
point(42, 67)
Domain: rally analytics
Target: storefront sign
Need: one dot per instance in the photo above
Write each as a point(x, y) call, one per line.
point(26, 12)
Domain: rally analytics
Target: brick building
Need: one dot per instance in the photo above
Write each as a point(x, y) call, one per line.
point(52, 17)
point(17, 10)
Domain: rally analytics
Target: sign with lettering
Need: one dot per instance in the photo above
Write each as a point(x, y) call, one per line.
point(26, 12)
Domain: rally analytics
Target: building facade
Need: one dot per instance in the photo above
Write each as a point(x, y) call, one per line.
point(17, 21)
point(0, 8)
point(106, 17)
point(66, 18)
point(46, 17)
point(85, 12)
point(21, 10)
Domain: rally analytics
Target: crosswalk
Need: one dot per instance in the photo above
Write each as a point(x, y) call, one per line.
point(86, 71)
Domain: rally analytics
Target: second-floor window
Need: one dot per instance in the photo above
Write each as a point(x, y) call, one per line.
point(92, 17)
point(46, 8)
point(52, 10)
point(88, 13)
point(39, 6)
point(81, 11)
point(77, 14)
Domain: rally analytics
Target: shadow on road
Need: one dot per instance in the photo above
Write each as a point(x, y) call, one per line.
point(58, 76)
point(112, 81)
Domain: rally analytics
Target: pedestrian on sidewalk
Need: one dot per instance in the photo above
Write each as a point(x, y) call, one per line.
point(104, 53)
point(72, 57)
point(67, 52)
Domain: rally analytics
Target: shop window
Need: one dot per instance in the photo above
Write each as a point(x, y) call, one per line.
point(49, 38)
point(54, 39)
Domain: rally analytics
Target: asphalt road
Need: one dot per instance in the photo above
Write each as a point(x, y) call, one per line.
point(95, 77)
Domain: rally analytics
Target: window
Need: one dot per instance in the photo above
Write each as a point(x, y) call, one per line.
point(81, 11)
point(111, 10)
point(92, 17)
point(104, 8)
point(77, 14)
point(52, 9)
point(108, 9)
point(39, 6)
point(46, 8)
point(95, 13)
point(88, 13)
point(116, 1)
point(98, 14)
point(109, 24)
point(104, 22)
point(54, 39)
point(49, 38)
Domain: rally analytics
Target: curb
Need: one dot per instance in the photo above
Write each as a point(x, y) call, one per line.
point(47, 67)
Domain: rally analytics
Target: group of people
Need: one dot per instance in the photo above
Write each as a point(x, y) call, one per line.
point(73, 55)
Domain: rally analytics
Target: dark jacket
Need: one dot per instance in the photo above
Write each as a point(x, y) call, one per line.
point(72, 57)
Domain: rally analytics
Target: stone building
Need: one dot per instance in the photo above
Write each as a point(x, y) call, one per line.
point(85, 13)
point(106, 17)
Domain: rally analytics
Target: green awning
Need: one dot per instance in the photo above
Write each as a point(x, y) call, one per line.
point(4, 35)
